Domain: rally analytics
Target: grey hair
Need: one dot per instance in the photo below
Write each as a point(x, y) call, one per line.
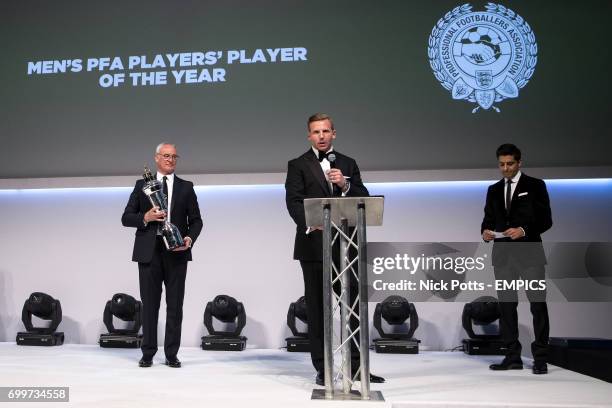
point(159, 146)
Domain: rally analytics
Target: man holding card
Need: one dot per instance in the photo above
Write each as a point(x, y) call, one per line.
point(516, 213)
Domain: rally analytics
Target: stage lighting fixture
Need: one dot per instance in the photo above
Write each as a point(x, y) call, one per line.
point(44, 307)
point(127, 309)
point(395, 310)
point(482, 312)
point(297, 312)
point(227, 310)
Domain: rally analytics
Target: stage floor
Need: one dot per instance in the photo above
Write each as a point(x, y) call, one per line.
point(273, 378)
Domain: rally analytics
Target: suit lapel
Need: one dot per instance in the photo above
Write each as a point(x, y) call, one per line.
point(316, 170)
point(520, 187)
point(500, 196)
point(176, 188)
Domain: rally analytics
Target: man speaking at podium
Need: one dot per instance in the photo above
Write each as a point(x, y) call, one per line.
point(318, 173)
point(156, 265)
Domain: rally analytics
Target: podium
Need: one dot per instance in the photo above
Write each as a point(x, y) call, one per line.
point(337, 216)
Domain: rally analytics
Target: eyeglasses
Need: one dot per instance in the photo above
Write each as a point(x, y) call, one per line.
point(166, 156)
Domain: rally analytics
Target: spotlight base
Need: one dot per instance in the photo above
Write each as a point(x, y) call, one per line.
point(391, 346)
point(298, 344)
point(481, 347)
point(36, 339)
point(120, 340)
point(224, 343)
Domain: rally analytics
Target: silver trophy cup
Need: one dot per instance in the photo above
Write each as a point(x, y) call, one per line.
point(154, 190)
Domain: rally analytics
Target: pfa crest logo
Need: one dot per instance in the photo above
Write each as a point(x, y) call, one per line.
point(482, 56)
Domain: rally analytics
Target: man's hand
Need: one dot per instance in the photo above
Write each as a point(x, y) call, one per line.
point(185, 247)
point(154, 215)
point(335, 176)
point(514, 233)
point(488, 235)
point(311, 229)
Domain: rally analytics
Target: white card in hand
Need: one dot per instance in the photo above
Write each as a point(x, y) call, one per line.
point(499, 235)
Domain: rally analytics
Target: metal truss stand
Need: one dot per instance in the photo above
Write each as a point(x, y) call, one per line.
point(337, 215)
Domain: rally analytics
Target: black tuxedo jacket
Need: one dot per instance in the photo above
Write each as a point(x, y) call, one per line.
point(529, 209)
point(305, 179)
point(184, 213)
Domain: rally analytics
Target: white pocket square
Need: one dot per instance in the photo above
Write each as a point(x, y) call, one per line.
point(523, 194)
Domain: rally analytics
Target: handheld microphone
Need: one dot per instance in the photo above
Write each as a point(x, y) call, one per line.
point(331, 157)
point(332, 160)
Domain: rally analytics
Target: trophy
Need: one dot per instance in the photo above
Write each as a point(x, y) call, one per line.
point(153, 189)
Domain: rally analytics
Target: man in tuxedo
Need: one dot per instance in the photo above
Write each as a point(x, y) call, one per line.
point(313, 176)
point(518, 210)
point(156, 265)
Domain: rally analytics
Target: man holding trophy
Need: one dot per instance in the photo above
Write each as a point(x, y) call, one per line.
point(164, 210)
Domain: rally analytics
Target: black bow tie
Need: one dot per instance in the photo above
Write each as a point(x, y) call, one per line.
point(323, 155)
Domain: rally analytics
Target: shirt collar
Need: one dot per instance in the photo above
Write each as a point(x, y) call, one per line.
point(516, 177)
point(316, 152)
point(170, 177)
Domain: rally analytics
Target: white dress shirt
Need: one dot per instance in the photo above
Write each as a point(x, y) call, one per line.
point(170, 183)
point(515, 180)
point(325, 165)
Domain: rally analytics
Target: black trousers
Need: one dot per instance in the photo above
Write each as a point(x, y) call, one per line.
point(313, 291)
point(508, 321)
point(163, 269)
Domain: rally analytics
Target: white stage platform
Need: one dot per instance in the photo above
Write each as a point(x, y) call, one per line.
point(273, 378)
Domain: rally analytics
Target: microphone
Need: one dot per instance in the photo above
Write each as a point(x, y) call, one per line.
point(332, 160)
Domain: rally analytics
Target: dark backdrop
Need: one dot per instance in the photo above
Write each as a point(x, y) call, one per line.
point(367, 66)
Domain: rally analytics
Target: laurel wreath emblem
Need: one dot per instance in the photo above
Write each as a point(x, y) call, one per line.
point(531, 47)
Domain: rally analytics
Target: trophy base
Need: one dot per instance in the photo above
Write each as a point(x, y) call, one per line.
point(172, 243)
point(172, 236)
